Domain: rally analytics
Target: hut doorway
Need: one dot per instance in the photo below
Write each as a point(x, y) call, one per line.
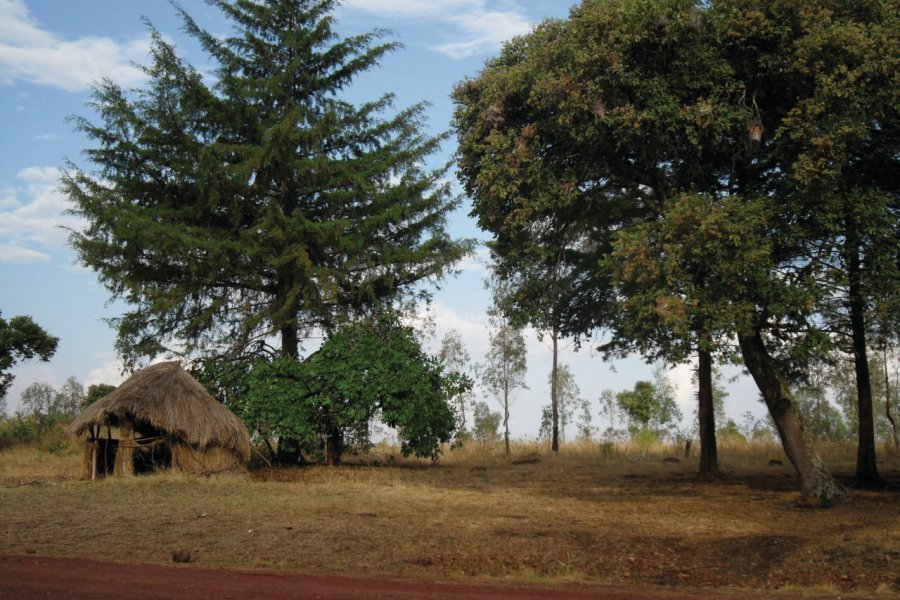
point(110, 456)
point(106, 456)
point(130, 453)
point(156, 456)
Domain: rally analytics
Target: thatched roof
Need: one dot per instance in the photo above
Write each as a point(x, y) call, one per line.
point(166, 397)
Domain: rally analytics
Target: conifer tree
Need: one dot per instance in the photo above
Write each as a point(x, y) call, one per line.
point(261, 202)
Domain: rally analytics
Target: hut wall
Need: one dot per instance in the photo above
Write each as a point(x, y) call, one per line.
point(89, 460)
point(188, 459)
point(100, 458)
point(107, 449)
point(106, 457)
point(125, 453)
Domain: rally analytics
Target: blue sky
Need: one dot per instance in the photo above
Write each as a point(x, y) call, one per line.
point(51, 51)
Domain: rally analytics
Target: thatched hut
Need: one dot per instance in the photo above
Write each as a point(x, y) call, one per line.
point(160, 418)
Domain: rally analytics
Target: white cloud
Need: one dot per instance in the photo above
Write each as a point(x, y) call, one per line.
point(414, 7)
point(476, 262)
point(19, 255)
point(110, 372)
point(472, 329)
point(30, 53)
point(472, 26)
point(33, 214)
point(681, 378)
point(8, 198)
point(17, 28)
point(39, 175)
point(484, 31)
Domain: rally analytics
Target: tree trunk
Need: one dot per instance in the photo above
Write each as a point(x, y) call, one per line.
point(506, 422)
point(462, 414)
point(866, 468)
point(554, 393)
point(816, 480)
point(269, 448)
point(288, 453)
point(333, 448)
point(290, 341)
point(709, 458)
point(887, 404)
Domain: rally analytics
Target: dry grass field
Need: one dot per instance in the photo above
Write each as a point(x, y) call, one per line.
point(621, 515)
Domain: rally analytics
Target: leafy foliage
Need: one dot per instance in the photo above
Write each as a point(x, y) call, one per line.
point(96, 392)
point(609, 408)
point(693, 269)
point(38, 400)
point(485, 423)
point(713, 168)
point(648, 407)
point(454, 358)
point(45, 403)
point(369, 368)
point(70, 397)
point(585, 418)
point(504, 369)
point(568, 399)
point(21, 339)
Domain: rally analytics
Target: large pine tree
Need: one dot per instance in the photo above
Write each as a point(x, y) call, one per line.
point(261, 202)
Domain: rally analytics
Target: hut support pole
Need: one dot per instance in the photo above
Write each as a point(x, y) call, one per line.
point(88, 458)
point(93, 445)
point(125, 454)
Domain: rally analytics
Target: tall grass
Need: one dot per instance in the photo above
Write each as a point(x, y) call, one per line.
point(56, 455)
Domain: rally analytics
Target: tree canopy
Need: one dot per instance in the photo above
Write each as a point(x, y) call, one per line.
point(257, 202)
point(454, 358)
point(688, 158)
point(368, 369)
point(46, 403)
point(504, 369)
point(21, 339)
point(649, 406)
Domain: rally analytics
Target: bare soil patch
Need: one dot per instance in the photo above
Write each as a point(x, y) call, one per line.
point(33, 578)
point(579, 519)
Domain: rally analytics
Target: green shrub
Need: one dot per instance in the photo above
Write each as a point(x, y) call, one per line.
point(644, 438)
point(49, 433)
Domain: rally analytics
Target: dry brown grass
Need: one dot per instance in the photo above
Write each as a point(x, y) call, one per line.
point(590, 514)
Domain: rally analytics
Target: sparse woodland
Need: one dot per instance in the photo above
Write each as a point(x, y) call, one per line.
point(711, 182)
point(696, 178)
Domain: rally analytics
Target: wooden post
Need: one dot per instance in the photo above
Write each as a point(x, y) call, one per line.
point(125, 454)
point(87, 456)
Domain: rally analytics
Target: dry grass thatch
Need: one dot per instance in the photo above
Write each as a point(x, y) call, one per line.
point(168, 399)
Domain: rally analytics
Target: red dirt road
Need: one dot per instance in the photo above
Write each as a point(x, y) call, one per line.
point(32, 577)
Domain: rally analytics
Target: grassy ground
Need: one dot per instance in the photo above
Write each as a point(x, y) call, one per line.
point(588, 515)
